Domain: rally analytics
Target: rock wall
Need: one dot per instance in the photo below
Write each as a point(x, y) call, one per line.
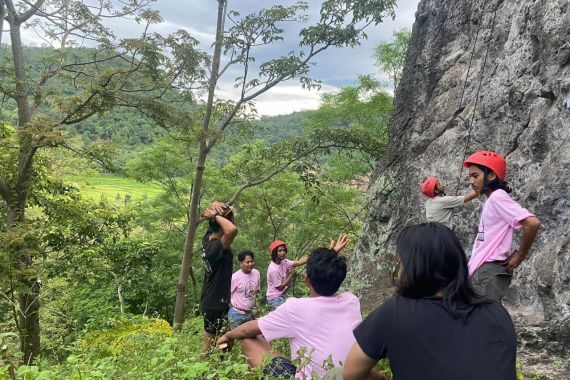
point(482, 75)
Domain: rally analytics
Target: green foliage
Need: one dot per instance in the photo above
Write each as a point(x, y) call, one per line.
point(391, 56)
point(126, 334)
point(143, 349)
point(354, 120)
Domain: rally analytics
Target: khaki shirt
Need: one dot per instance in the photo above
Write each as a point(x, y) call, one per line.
point(441, 209)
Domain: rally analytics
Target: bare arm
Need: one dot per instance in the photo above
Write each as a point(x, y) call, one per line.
point(229, 229)
point(359, 366)
point(530, 229)
point(287, 280)
point(301, 261)
point(470, 196)
point(247, 330)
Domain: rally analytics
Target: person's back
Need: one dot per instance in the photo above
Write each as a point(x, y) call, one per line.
point(437, 327)
point(440, 207)
point(424, 341)
point(317, 328)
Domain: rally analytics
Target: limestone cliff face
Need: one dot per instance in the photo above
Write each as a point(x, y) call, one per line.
point(482, 75)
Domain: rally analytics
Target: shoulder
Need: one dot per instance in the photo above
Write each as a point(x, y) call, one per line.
point(255, 273)
point(389, 306)
point(207, 242)
point(348, 296)
point(496, 309)
point(500, 195)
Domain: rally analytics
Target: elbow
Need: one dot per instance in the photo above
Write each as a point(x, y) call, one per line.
point(347, 374)
point(233, 231)
point(533, 222)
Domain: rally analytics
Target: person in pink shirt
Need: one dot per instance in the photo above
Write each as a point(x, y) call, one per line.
point(493, 258)
point(319, 327)
point(280, 273)
point(244, 288)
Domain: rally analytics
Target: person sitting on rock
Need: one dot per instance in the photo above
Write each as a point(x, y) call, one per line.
point(280, 273)
point(440, 207)
point(244, 288)
point(319, 327)
point(492, 258)
point(436, 327)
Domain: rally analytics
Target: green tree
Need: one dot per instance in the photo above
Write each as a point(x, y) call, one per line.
point(43, 114)
point(341, 23)
point(391, 56)
point(355, 118)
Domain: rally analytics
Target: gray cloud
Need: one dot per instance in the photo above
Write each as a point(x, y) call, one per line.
point(334, 67)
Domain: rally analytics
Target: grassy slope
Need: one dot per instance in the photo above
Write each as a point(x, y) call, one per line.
point(108, 187)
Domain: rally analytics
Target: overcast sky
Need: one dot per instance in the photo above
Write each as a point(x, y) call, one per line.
point(334, 67)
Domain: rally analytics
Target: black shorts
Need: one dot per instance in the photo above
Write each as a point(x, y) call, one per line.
point(279, 368)
point(215, 320)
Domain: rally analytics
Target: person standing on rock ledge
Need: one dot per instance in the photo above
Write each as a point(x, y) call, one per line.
point(492, 259)
point(440, 207)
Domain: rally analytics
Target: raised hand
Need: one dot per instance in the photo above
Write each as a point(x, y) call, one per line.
point(338, 245)
point(218, 207)
point(209, 213)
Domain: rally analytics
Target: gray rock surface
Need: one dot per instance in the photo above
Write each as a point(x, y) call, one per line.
point(482, 75)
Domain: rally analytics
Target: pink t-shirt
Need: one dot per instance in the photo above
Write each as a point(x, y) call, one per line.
point(320, 325)
point(275, 276)
point(500, 217)
point(244, 288)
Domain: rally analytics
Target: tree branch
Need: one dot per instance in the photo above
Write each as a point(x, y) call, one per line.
point(34, 8)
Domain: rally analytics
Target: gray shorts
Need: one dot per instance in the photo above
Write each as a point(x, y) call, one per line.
point(492, 280)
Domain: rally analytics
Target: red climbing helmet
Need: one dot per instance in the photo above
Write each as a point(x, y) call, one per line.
point(428, 187)
point(488, 159)
point(276, 244)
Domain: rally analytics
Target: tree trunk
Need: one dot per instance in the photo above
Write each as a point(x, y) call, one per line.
point(30, 322)
point(186, 267)
point(29, 307)
point(2, 14)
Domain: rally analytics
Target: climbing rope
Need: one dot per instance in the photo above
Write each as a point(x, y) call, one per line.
point(469, 127)
point(461, 107)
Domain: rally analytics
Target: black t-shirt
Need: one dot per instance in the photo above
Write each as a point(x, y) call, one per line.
point(217, 275)
point(424, 341)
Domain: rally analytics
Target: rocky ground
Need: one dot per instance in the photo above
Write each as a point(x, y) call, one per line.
point(540, 356)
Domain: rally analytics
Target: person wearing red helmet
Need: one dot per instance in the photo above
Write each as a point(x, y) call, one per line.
point(493, 258)
point(217, 257)
point(318, 327)
point(280, 273)
point(440, 207)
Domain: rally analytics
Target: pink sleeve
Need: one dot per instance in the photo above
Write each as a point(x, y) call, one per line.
point(258, 280)
point(511, 211)
point(276, 324)
point(234, 283)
